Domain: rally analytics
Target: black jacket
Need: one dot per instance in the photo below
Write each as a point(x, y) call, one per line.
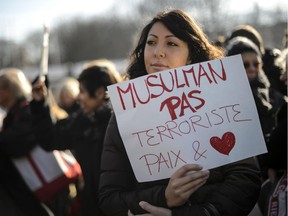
point(268, 102)
point(82, 134)
point(230, 190)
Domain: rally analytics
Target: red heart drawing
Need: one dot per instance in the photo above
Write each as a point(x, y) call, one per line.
point(224, 145)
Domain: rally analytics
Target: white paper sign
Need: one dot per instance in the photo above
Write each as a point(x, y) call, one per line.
point(202, 113)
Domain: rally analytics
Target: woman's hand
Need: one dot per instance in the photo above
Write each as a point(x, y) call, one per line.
point(184, 182)
point(39, 91)
point(153, 210)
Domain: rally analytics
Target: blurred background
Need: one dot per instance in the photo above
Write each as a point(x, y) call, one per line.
point(84, 30)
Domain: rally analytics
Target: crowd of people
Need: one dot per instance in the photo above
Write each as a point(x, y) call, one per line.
point(79, 117)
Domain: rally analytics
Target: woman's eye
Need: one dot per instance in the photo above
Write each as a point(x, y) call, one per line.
point(150, 42)
point(172, 44)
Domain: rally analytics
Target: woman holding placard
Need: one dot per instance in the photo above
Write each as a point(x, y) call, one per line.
point(173, 39)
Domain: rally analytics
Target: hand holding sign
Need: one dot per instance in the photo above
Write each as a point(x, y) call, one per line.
point(183, 183)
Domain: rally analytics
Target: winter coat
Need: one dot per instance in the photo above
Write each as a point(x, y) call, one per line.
point(268, 102)
point(16, 140)
point(83, 135)
point(230, 190)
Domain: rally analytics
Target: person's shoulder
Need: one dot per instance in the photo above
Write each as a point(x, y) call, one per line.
point(112, 123)
point(113, 119)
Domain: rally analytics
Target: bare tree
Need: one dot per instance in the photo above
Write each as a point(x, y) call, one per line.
point(96, 38)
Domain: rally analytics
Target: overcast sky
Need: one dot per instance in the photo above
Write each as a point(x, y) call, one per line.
point(19, 17)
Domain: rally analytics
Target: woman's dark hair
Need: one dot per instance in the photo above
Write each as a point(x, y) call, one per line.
point(95, 77)
point(249, 32)
point(183, 27)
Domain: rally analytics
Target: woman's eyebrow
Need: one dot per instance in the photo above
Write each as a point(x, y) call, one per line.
point(167, 36)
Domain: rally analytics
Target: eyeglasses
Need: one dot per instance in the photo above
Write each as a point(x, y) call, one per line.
point(249, 64)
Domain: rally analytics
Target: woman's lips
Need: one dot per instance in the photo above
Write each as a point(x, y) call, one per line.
point(159, 67)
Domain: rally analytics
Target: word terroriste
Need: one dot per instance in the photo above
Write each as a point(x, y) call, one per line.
point(172, 129)
point(156, 85)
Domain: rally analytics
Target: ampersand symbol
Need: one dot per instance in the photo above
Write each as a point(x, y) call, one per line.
point(196, 147)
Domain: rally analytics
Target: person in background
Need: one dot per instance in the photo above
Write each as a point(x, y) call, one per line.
point(16, 140)
point(173, 39)
point(273, 196)
point(268, 100)
point(67, 92)
point(109, 65)
point(83, 132)
point(249, 32)
point(268, 55)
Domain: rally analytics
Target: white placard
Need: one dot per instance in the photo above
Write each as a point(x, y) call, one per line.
point(202, 113)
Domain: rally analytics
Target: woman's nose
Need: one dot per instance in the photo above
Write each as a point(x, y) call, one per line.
point(159, 51)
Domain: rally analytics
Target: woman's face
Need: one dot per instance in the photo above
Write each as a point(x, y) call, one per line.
point(252, 63)
point(87, 103)
point(163, 50)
